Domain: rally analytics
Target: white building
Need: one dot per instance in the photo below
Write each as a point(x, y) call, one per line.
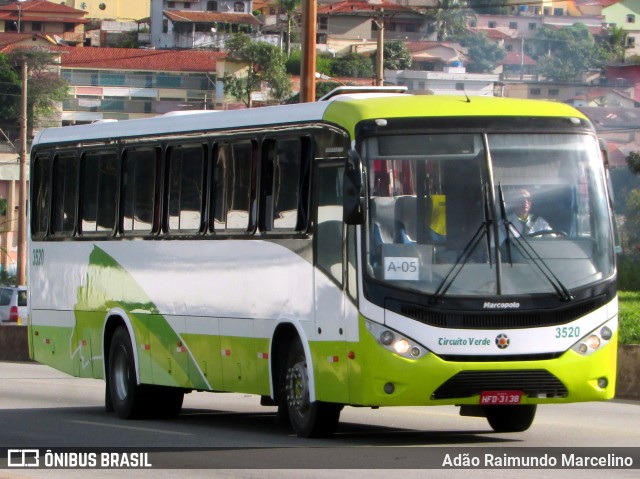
point(199, 23)
point(454, 80)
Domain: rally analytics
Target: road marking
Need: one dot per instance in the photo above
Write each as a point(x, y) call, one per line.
point(147, 429)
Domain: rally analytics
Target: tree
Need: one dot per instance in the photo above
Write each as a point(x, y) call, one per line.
point(352, 65)
point(396, 56)
point(324, 62)
point(289, 7)
point(617, 41)
point(632, 205)
point(633, 161)
point(632, 219)
point(265, 63)
point(45, 88)
point(322, 88)
point(9, 89)
point(484, 54)
point(495, 7)
point(449, 17)
point(566, 53)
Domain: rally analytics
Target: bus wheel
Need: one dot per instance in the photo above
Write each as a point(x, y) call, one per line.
point(511, 418)
point(127, 397)
point(308, 419)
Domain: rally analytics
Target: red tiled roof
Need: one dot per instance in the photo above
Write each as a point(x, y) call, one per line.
point(362, 7)
point(11, 40)
point(136, 59)
point(42, 6)
point(43, 19)
point(515, 58)
point(415, 47)
point(186, 16)
point(492, 33)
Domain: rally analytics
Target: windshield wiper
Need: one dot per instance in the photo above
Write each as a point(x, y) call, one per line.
point(525, 248)
point(461, 261)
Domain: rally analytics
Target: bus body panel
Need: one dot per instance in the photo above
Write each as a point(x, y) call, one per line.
point(415, 381)
point(202, 324)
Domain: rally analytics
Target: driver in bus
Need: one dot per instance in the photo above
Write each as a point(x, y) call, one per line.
point(522, 219)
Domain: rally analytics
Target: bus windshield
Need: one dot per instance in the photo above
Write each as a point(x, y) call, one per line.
point(487, 214)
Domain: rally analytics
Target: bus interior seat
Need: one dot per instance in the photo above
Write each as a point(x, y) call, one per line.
point(405, 218)
point(383, 210)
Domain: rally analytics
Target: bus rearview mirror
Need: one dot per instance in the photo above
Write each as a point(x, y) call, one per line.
point(353, 190)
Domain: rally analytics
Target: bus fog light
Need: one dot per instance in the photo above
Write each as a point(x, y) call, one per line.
point(606, 333)
point(387, 338)
point(583, 348)
point(415, 351)
point(389, 388)
point(603, 383)
point(402, 346)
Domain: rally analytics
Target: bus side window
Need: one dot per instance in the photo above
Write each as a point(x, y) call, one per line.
point(234, 174)
point(186, 173)
point(41, 195)
point(285, 165)
point(139, 187)
point(100, 174)
point(65, 191)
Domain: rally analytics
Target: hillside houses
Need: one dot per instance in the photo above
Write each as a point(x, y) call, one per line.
point(343, 27)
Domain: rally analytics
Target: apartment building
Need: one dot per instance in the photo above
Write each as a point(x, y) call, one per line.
point(127, 83)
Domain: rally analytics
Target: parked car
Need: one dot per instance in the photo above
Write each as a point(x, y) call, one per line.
point(13, 305)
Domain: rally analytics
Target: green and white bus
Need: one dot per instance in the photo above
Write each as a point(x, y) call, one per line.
point(357, 251)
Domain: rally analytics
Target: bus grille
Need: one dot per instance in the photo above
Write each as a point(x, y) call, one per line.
point(532, 382)
point(496, 319)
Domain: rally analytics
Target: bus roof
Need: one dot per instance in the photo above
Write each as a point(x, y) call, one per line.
point(351, 111)
point(345, 110)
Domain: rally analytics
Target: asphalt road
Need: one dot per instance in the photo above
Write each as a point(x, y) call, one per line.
point(231, 435)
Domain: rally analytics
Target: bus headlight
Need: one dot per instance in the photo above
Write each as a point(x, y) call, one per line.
point(395, 342)
point(596, 339)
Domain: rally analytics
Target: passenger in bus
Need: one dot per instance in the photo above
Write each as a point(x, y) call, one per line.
point(522, 219)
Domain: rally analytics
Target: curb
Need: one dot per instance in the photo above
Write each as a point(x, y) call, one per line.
point(14, 346)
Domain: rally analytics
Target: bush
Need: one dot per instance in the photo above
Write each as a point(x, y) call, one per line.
point(629, 317)
point(629, 272)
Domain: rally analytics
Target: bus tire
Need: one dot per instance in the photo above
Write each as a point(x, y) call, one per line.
point(127, 396)
point(308, 419)
point(511, 418)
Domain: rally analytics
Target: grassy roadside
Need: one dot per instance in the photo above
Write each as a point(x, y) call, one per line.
point(629, 316)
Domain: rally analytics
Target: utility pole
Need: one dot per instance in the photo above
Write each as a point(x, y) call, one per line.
point(308, 62)
point(380, 51)
point(379, 23)
point(22, 188)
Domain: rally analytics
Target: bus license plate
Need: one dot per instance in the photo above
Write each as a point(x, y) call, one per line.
point(489, 398)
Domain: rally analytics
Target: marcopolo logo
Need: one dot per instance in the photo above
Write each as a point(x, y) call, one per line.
point(502, 341)
point(492, 305)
